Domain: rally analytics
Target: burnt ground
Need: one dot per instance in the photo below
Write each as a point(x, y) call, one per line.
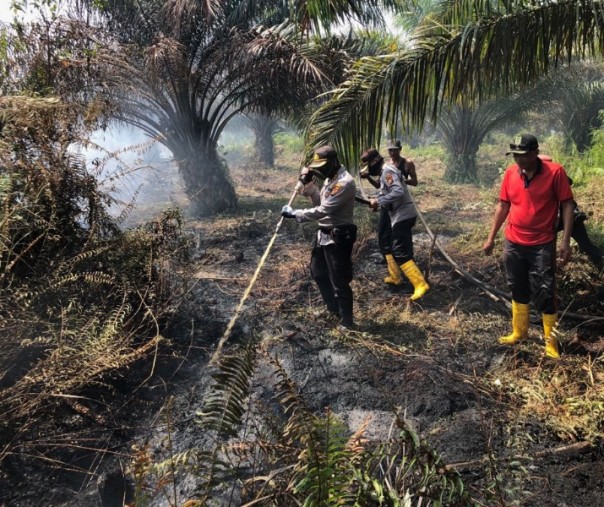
point(520, 429)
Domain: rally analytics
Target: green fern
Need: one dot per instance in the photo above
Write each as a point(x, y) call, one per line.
point(408, 468)
point(323, 473)
point(225, 404)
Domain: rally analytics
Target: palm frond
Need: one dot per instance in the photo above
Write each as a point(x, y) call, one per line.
point(492, 55)
point(460, 12)
point(352, 118)
point(574, 100)
point(181, 10)
point(320, 15)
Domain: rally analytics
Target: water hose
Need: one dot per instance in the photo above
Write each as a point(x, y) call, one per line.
point(299, 186)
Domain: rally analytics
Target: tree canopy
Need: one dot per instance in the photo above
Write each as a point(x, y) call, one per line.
point(185, 68)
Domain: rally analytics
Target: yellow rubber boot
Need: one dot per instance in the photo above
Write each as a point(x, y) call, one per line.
point(416, 278)
point(393, 270)
point(551, 342)
point(520, 324)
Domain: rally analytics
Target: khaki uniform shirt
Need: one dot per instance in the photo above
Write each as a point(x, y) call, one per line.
point(394, 195)
point(334, 204)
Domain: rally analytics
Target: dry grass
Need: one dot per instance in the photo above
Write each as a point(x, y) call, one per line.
point(565, 397)
point(80, 300)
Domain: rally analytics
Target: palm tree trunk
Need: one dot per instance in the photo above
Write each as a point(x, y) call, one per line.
point(461, 168)
point(264, 129)
point(462, 139)
point(264, 148)
point(207, 183)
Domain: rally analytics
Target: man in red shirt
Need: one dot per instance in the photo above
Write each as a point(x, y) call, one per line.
point(531, 192)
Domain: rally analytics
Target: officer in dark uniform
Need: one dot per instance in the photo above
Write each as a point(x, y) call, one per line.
point(579, 233)
point(331, 258)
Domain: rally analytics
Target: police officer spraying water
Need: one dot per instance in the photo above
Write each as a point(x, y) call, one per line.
point(331, 258)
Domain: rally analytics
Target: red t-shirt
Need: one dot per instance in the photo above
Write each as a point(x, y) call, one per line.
point(534, 207)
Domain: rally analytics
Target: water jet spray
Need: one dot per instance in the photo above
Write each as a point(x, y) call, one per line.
point(299, 186)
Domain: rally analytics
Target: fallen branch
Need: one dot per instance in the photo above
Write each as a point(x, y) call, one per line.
point(229, 278)
point(571, 449)
point(492, 292)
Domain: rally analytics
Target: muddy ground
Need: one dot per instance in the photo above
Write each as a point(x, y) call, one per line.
point(500, 416)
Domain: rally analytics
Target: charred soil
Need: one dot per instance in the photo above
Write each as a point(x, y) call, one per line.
point(519, 429)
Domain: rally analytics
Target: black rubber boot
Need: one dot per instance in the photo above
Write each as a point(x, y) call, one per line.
point(346, 313)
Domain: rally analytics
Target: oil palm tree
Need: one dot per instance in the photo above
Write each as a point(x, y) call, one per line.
point(264, 128)
point(297, 111)
point(463, 127)
point(194, 65)
point(184, 94)
point(462, 130)
point(570, 99)
point(576, 100)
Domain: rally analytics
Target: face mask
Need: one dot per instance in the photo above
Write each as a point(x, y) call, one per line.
point(375, 169)
point(329, 170)
point(319, 172)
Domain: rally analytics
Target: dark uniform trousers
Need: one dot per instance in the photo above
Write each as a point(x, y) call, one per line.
point(402, 240)
point(583, 240)
point(331, 269)
point(397, 240)
point(385, 232)
point(385, 240)
point(531, 270)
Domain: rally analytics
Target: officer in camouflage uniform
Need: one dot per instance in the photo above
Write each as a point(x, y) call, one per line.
point(331, 258)
point(579, 233)
point(396, 199)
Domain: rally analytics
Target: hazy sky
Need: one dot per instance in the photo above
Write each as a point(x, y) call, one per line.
point(5, 14)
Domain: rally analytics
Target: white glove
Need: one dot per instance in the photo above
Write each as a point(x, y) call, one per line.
point(287, 211)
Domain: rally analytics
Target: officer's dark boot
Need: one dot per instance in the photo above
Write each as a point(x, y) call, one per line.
point(346, 312)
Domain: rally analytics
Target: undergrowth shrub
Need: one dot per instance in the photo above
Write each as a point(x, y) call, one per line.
point(80, 300)
point(289, 144)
